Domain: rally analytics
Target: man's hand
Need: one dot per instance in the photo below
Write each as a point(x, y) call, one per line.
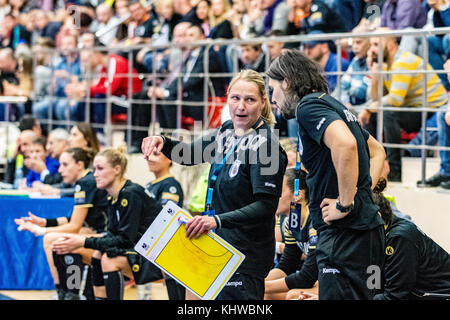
point(156, 92)
point(199, 225)
point(329, 211)
point(364, 117)
point(68, 243)
point(35, 164)
point(41, 222)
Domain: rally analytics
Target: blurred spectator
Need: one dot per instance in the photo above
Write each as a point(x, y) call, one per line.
point(112, 71)
point(351, 11)
point(403, 90)
point(43, 53)
point(192, 84)
point(163, 33)
point(12, 33)
point(43, 27)
point(142, 22)
point(252, 57)
point(86, 40)
point(57, 143)
point(218, 20)
point(202, 10)
point(319, 51)
point(39, 163)
point(354, 86)
point(401, 14)
point(15, 169)
point(439, 45)
point(274, 47)
point(28, 122)
point(186, 8)
point(107, 23)
point(268, 15)
point(5, 8)
point(66, 71)
point(317, 16)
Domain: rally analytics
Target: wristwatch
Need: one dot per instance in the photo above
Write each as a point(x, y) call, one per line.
point(345, 209)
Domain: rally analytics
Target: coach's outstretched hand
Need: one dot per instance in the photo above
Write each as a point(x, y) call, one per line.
point(152, 144)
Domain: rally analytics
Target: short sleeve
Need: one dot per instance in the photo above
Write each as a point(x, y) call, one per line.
point(85, 193)
point(315, 118)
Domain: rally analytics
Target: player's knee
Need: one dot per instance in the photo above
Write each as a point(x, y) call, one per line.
point(109, 264)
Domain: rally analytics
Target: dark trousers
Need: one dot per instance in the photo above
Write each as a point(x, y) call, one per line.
point(243, 287)
point(343, 258)
point(393, 122)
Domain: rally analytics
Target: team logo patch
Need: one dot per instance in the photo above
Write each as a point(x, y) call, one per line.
point(68, 259)
point(389, 251)
point(135, 267)
point(173, 190)
point(124, 202)
point(234, 168)
point(77, 188)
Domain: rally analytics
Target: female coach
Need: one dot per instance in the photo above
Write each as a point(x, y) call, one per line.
point(244, 184)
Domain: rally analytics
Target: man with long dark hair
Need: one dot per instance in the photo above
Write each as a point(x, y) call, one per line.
point(342, 160)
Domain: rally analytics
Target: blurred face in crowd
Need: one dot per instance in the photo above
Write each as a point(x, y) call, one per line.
point(8, 24)
point(40, 19)
point(55, 146)
point(76, 139)
point(104, 13)
point(375, 43)
point(37, 152)
point(240, 6)
point(68, 44)
point(360, 46)
point(275, 48)
point(245, 104)
point(316, 52)
point(217, 7)
point(194, 34)
point(69, 168)
point(7, 62)
point(137, 12)
point(202, 10)
point(165, 9)
point(87, 40)
point(24, 142)
point(250, 54)
point(105, 174)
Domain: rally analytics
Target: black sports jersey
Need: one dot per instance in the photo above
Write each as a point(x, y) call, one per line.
point(129, 216)
point(252, 175)
point(164, 189)
point(414, 263)
point(88, 195)
point(314, 114)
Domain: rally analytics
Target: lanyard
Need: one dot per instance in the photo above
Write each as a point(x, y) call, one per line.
point(297, 167)
point(217, 168)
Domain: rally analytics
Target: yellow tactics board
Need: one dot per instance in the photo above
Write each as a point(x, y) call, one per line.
point(202, 265)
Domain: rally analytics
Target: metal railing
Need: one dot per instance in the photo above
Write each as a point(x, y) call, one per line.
point(208, 77)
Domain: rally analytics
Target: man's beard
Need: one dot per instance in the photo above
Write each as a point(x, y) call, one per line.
point(289, 106)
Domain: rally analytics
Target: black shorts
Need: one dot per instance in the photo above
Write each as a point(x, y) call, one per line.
point(143, 270)
point(343, 258)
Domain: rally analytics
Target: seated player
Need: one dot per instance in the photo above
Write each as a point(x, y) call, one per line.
point(130, 212)
point(292, 272)
point(88, 217)
point(416, 267)
point(163, 189)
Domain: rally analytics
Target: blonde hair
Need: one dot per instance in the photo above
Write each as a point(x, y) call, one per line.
point(216, 20)
point(256, 78)
point(116, 157)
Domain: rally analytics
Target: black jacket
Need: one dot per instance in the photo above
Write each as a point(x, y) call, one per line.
point(414, 264)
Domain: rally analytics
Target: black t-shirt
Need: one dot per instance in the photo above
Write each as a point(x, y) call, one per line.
point(314, 114)
point(414, 263)
point(165, 189)
point(255, 169)
point(88, 195)
point(129, 216)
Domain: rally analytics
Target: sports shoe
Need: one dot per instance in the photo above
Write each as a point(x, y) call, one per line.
point(71, 296)
point(435, 180)
point(445, 185)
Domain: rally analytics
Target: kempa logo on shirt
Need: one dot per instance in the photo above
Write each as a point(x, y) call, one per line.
point(233, 284)
point(268, 184)
point(320, 123)
point(330, 270)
